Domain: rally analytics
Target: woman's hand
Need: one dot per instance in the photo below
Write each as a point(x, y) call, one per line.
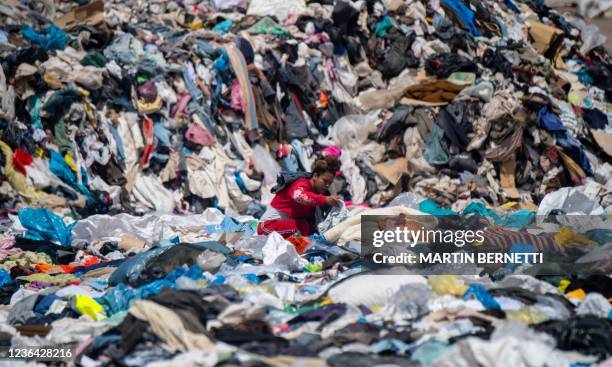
point(333, 200)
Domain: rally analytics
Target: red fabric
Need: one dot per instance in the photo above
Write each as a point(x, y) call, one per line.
point(298, 201)
point(147, 132)
point(21, 159)
point(285, 228)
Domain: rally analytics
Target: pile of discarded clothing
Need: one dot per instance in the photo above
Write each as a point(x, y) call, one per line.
point(140, 142)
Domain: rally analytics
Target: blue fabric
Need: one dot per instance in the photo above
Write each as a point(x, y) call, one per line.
point(44, 225)
point(480, 209)
point(121, 297)
point(430, 207)
point(5, 278)
point(239, 182)
point(132, 267)
point(552, 123)
point(291, 163)
point(61, 169)
point(189, 77)
point(51, 38)
point(466, 15)
point(223, 27)
point(520, 219)
point(253, 278)
point(600, 235)
point(519, 248)
point(162, 134)
point(222, 62)
point(44, 303)
point(118, 141)
point(511, 6)
point(477, 291)
point(35, 104)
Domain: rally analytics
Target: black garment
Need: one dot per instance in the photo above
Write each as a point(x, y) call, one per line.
point(345, 17)
point(296, 125)
point(463, 162)
point(399, 56)
point(59, 254)
point(355, 359)
point(593, 283)
point(602, 77)
point(587, 334)
point(324, 315)
point(173, 257)
point(6, 292)
point(29, 55)
point(396, 125)
point(455, 121)
point(285, 179)
point(443, 65)
point(190, 307)
point(246, 332)
point(596, 119)
point(496, 61)
point(59, 103)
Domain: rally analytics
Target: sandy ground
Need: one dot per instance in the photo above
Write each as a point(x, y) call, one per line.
point(605, 27)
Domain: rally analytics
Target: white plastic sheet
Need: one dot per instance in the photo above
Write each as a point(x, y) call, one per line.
point(279, 8)
point(278, 251)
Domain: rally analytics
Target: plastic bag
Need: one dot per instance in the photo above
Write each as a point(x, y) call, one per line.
point(407, 199)
point(44, 225)
point(447, 284)
point(352, 131)
point(88, 306)
point(278, 8)
point(477, 291)
point(277, 251)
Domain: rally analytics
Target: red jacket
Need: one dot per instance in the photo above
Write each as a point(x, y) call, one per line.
point(298, 200)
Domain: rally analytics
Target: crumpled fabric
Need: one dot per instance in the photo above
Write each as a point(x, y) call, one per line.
point(51, 38)
point(169, 328)
point(44, 225)
point(334, 217)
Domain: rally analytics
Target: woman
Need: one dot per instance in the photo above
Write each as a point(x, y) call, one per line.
point(292, 210)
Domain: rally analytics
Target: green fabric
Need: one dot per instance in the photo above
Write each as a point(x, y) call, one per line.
point(62, 136)
point(94, 58)
point(34, 105)
point(268, 26)
point(435, 149)
point(383, 26)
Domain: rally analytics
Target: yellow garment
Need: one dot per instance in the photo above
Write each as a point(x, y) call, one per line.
point(528, 315)
point(88, 306)
point(519, 205)
point(576, 294)
point(152, 107)
point(59, 279)
point(563, 284)
point(567, 237)
point(572, 166)
point(17, 179)
point(70, 162)
point(447, 284)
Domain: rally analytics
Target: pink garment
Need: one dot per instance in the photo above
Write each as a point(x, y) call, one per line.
point(237, 102)
point(181, 105)
point(291, 19)
point(332, 150)
point(199, 135)
point(6, 247)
